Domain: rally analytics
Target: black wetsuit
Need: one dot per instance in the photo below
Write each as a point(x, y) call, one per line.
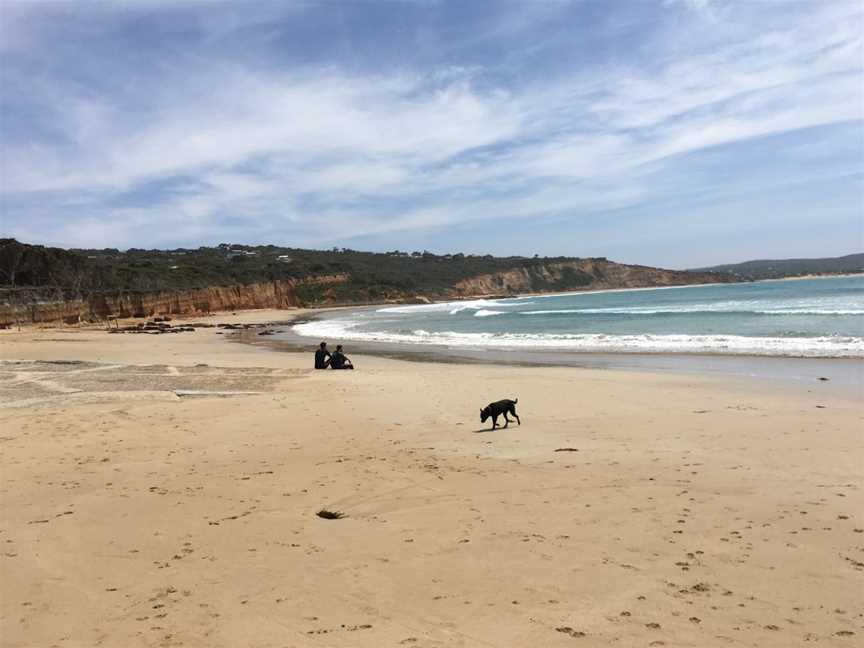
point(339, 361)
point(321, 356)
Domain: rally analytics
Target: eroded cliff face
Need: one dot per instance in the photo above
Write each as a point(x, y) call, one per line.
point(327, 290)
point(98, 307)
point(583, 274)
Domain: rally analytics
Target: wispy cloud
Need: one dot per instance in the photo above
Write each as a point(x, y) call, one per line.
point(168, 143)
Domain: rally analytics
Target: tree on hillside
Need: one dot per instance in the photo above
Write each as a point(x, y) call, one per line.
point(13, 261)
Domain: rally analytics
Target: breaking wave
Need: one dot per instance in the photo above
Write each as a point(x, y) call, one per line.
point(815, 318)
point(690, 310)
point(484, 307)
point(816, 347)
point(451, 307)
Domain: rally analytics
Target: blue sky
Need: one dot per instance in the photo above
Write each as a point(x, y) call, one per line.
point(677, 133)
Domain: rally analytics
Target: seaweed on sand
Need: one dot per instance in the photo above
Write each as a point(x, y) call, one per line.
point(330, 515)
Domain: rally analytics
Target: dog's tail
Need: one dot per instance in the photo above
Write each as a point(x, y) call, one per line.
point(515, 401)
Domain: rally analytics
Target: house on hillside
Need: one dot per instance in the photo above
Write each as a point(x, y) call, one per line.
point(233, 253)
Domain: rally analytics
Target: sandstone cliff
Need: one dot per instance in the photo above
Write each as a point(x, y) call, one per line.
point(28, 306)
point(581, 274)
point(41, 306)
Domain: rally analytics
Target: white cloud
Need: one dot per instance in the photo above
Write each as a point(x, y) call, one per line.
point(324, 151)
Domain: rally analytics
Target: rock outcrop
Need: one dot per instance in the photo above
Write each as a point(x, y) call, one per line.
point(30, 306)
point(581, 274)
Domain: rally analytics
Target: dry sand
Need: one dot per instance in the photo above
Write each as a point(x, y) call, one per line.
point(629, 509)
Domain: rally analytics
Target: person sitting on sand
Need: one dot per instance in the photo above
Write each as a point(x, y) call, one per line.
point(322, 357)
point(339, 360)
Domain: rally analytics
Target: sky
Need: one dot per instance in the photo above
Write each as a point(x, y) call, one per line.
point(677, 133)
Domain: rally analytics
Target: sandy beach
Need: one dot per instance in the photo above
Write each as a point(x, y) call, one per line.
point(630, 508)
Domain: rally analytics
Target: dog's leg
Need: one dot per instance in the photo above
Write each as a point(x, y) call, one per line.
point(515, 415)
point(506, 420)
point(494, 421)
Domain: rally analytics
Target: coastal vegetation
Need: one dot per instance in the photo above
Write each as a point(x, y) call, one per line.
point(39, 283)
point(369, 273)
point(781, 268)
point(338, 275)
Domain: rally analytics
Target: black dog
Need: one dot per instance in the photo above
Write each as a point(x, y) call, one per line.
point(496, 409)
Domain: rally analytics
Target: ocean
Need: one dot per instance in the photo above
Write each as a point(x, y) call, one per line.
point(819, 317)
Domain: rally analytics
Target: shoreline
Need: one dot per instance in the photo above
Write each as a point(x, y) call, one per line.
point(527, 344)
point(844, 375)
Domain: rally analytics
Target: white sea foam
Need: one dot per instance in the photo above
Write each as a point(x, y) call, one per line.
point(579, 293)
point(714, 309)
point(741, 319)
point(452, 307)
point(825, 346)
point(743, 307)
point(799, 311)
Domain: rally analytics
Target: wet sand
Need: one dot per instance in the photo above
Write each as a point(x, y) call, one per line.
point(630, 508)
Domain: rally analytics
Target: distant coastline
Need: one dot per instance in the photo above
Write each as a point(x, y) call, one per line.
point(89, 286)
point(825, 275)
point(790, 268)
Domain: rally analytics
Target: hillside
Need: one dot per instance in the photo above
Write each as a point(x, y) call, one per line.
point(49, 284)
point(779, 268)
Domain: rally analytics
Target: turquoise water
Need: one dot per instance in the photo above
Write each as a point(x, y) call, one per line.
point(821, 317)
